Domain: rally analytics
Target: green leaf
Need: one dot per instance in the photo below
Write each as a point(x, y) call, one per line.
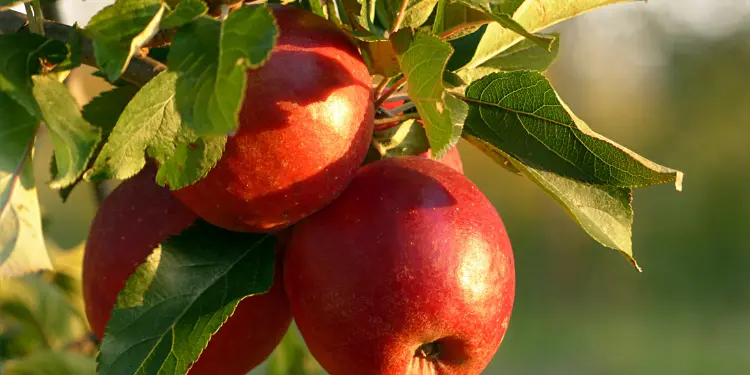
point(105, 109)
point(21, 314)
point(416, 13)
point(47, 99)
point(532, 18)
point(520, 114)
point(17, 132)
point(73, 138)
point(338, 14)
point(103, 112)
point(360, 25)
point(22, 248)
point(525, 55)
point(502, 13)
point(406, 138)
point(74, 45)
point(422, 57)
point(316, 6)
point(382, 58)
point(119, 30)
point(7, 4)
point(189, 162)
point(451, 80)
point(53, 363)
point(185, 291)
point(364, 12)
point(211, 58)
point(185, 12)
point(42, 307)
point(151, 122)
point(604, 212)
point(21, 56)
point(507, 6)
point(460, 20)
point(464, 48)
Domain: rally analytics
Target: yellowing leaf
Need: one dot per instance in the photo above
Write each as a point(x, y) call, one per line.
point(532, 15)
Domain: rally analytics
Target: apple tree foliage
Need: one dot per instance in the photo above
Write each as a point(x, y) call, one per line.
point(471, 69)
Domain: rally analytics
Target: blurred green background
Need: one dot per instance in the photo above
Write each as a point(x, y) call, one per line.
point(669, 79)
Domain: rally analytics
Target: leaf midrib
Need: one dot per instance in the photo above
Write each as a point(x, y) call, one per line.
point(573, 129)
point(182, 314)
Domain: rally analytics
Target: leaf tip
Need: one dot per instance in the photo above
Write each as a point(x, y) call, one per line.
point(679, 176)
point(632, 261)
point(636, 265)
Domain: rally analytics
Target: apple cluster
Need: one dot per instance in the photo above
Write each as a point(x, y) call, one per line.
point(398, 267)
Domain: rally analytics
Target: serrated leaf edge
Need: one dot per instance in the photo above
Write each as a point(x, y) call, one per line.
point(150, 264)
point(581, 126)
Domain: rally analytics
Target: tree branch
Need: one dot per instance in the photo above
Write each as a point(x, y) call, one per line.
point(140, 70)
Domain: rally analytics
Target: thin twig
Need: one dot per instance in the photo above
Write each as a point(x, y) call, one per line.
point(387, 112)
point(389, 91)
point(399, 118)
point(400, 17)
point(140, 70)
point(379, 88)
point(403, 107)
point(397, 97)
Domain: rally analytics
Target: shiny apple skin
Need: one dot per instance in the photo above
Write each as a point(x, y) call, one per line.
point(304, 129)
point(130, 223)
point(409, 272)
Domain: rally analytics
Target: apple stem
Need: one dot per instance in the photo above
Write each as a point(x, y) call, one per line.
point(379, 88)
point(389, 91)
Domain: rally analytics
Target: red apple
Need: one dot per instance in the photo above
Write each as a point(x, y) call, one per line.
point(303, 131)
point(131, 222)
point(409, 272)
point(452, 158)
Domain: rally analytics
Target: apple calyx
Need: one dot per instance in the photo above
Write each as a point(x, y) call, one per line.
point(429, 351)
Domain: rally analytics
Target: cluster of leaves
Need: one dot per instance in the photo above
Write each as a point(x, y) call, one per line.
point(472, 69)
point(43, 329)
